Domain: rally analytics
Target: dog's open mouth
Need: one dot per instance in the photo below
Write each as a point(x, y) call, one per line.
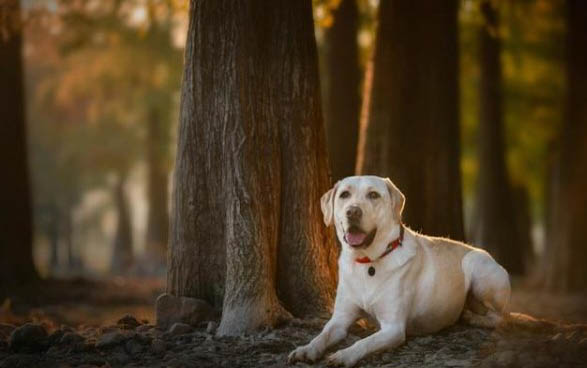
point(357, 238)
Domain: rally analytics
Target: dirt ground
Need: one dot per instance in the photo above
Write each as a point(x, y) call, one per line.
point(79, 323)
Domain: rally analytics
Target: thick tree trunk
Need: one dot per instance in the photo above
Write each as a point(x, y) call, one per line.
point(342, 90)
point(158, 171)
point(122, 255)
point(412, 127)
point(16, 258)
point(495, 216)
point(566, 247)
point(251, 166)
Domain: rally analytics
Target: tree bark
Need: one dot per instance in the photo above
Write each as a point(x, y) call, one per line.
point(122, 255)
point(158, 171)
point(566, 247)
point(16, 258)
point(251, 166)
point(412, 125)
point(495, 216)
point(342, 90)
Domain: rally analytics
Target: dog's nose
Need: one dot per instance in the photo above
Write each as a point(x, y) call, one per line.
point(354, 213)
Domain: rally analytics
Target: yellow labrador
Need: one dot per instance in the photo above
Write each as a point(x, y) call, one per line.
point(409, 283)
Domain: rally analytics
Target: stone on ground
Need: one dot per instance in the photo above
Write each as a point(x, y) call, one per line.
point(170, 309)
point(29, 337)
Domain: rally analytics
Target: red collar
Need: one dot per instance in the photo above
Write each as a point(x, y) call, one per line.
point(390, 247)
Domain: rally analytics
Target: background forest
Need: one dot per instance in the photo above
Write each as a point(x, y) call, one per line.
point(474, 108)
point(102, 92)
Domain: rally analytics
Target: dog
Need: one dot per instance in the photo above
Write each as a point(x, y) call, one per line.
point(409, 283)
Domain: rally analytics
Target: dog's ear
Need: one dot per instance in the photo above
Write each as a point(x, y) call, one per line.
point(327, 204)
point(397, 199)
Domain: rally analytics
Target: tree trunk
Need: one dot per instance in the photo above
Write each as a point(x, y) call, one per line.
point(412, 125)
point(566, 247)
point(523, 219)
point(53, 233)
point(251, 166)
point(122, 255)
point(74, 261)
point(16, 258)
point(495, 216)
point(158, 170)
point(342, 90)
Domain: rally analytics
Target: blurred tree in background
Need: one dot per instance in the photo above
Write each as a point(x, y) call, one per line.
point(341, 89)
point(102, 81)
point(566, 249)
point(495, 215)
point(16, 233)
point(413, 103)
point(532, 95)
point(113, 84)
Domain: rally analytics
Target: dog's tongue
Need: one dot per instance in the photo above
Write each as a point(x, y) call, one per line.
point(355, 238)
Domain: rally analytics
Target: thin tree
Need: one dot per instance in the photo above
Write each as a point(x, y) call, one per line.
point(495, 218)
point(16, 234)
point(411, 132)
point(246, 229)
point(122, 249)
point(158, 175)
point(566, 249)
point(342, 102)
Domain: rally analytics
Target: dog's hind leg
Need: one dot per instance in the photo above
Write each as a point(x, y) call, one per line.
point(490, 320)
point(489, 290)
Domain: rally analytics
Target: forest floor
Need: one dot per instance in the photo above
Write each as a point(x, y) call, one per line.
point(81, 323)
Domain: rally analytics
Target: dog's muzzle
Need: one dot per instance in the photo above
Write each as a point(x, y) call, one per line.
point(357, 238)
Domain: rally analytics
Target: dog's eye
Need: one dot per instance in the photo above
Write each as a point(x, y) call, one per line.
point(373, 195)
point(344, 194)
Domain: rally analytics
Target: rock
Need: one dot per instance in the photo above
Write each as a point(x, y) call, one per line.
point(457, 363)
point(28, 337)
point(66, 328)
point(133, 347)
point(110, 339)
point(159, 346)
point(144, 328)
point(211, 328)
point(170, 309)
point(108, 329)
point(180, 329)
point(71, 338)
point(20, 360)
point(505, 358)
point(54, 351)
point(5, 330)
point(94, 360)
point(118, 358)
point(128, 322)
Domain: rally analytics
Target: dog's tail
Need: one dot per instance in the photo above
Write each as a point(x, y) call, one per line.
point(524, 322)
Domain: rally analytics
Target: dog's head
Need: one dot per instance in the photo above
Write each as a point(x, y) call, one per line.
point(360, 206)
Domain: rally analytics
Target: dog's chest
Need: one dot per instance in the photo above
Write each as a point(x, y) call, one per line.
point(366, 288)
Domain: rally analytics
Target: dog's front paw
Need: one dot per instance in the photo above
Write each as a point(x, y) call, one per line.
point(342, 358)
point(304, 353)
